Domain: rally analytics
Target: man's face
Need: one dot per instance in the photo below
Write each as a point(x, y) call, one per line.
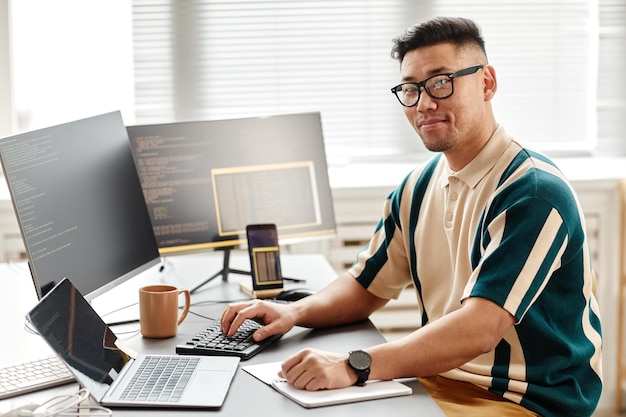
point(456, 122)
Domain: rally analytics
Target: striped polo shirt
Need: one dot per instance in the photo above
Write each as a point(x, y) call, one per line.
point(508, 227)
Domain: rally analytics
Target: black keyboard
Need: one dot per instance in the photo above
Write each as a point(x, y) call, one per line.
point(212, 342)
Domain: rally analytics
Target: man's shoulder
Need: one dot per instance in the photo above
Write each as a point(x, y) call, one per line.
point(532, 175)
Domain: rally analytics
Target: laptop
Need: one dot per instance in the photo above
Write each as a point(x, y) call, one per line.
point(102, 364)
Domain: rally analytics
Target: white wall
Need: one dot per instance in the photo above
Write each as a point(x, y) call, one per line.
point(71, 59)
point(6, 90)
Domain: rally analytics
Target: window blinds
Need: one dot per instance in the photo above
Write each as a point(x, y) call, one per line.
point(209, 59)
point(611, 80)
point(225, 59)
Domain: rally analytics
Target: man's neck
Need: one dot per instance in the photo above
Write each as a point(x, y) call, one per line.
point(459, 157)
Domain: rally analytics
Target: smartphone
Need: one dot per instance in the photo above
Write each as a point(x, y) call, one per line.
point(264, 256)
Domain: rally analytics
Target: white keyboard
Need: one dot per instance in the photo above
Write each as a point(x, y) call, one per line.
point(33, 376)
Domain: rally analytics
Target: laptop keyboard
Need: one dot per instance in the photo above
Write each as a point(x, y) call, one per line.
point(33, 376)
point(212, 342)
point(160, 379)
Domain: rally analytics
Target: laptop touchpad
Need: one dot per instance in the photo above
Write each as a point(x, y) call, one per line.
point(211, 385)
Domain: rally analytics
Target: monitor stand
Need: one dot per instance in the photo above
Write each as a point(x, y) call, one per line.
point(226, 269)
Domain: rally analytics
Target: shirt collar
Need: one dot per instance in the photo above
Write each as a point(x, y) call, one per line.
point(472, 173)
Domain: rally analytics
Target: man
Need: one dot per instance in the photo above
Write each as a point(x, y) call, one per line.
point(491, 235)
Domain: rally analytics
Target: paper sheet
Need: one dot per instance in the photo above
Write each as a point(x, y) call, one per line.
point(268, 374)
point(264, 372)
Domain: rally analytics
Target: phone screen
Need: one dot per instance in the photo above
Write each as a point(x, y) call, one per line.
point(264, 256)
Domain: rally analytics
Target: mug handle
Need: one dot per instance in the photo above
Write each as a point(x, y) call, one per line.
point(187, 304)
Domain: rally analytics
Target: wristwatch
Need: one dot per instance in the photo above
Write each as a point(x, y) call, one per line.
point(360, 361)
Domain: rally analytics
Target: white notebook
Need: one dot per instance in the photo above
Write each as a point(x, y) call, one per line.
point(268, 373)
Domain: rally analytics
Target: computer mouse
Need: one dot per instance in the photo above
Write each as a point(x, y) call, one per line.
point(294, 294)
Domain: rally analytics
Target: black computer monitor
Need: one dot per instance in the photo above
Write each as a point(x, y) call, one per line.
point(205, 181)
point(79, 204)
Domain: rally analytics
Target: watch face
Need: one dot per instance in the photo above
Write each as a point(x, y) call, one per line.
point(360, 360)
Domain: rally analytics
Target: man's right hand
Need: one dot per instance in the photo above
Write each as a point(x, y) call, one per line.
point(276, 318)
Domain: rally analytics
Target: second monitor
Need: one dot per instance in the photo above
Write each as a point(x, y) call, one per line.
point(205, 181)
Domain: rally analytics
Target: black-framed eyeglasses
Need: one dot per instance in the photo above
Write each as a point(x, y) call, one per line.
point(437, 86)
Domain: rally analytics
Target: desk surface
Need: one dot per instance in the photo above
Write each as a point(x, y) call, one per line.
point(246, 394)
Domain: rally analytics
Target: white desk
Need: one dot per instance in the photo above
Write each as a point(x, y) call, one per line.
point(247, 395)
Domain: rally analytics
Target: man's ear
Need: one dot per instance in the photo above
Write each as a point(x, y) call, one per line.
point(490, 82)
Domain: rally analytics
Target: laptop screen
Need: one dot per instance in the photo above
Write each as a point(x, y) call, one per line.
point(75, 331)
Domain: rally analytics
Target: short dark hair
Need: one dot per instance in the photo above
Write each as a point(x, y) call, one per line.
point(457, 30)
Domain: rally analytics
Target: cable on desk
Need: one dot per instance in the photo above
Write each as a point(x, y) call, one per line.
point(67, 405)
point(201, 316)
point(117, 323)
point(120, 309)
point(29, 328)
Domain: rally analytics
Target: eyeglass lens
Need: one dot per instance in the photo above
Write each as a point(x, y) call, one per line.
point(439, 86)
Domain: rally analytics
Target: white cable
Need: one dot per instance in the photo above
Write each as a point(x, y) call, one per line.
point(62, 404)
